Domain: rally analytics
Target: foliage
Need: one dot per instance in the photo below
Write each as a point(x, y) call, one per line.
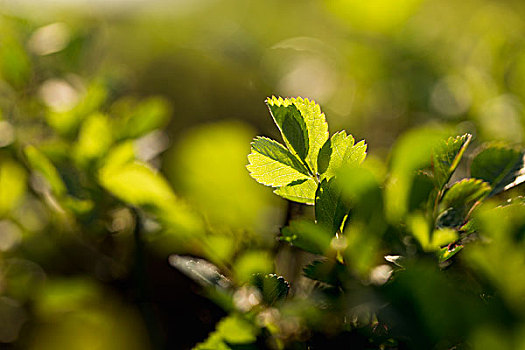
point(116, 161)
point(371, 271)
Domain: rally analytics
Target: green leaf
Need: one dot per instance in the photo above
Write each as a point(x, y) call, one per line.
point(94, 139)
point(291, 124)
point(213, 342)
point(362, 189)
point(41, 164)
point(307, 235)
point(273, 287)
point(137, 118)
point(430, 240)
point(501, 166)
point(316, 126)
point(66, 122)
point(251, 262)
point(459, 200)
point(273, 165)
point(302, 191)
point(12, 185)
point(446, 253)
point(233, 329)
point(412, 152)
point(446, 157)
point(330, 210)
point(236, 330)
point(339, 151)
point(138, 184)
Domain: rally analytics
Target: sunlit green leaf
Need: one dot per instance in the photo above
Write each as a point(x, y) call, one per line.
point(446, 157)
point(501, 166)
point(273, 165)
point(302, 191)
point(340, 151)
point(315, 122)
point(291, 124)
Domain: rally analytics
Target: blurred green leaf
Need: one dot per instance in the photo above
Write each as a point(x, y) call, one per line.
point(360, 247)
point(430, 240)
point(251, 262)
point(459, 200)
point(501, 166)
point(411, 153)
point(446, 157)
point(15, 64)
point(213, 342)
point(12, 185)
point(307, 236)
point(361, 188)
point(232, 329)
point(137, 118)
point(340, 151)
point(39, 163)
point(273, 165)
point(227, 195)
point(94, 139)
point(66, 122)
point(330, 210)
point(138, 184)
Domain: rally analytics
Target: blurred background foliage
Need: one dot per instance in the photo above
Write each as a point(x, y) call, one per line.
point(124, 130)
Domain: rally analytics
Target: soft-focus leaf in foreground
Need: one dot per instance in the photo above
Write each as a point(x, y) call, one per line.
point(41, 164)
point(308, 236)
point(12, 185)
point(330, 210)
